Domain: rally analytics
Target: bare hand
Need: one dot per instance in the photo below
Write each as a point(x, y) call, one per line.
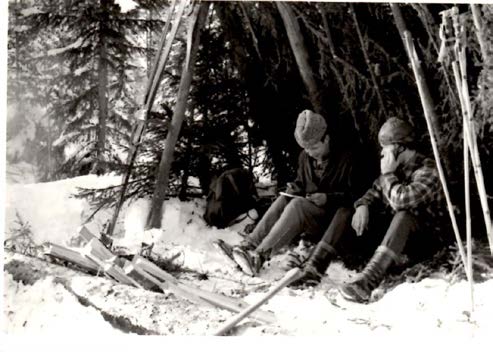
point(360, 219)
point(319, 199)
point(292, 188)
point(388, 163)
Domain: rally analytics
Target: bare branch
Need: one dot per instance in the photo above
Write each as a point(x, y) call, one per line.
point(250, 28)
point(367, 59)
point(328, 40)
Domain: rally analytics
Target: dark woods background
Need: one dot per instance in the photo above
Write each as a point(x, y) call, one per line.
point(79, 102)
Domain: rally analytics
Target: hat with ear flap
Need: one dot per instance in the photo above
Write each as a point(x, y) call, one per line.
point(310, 128)
point(396, 131)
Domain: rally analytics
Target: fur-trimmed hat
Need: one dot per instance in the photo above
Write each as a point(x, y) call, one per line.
point(310, 128)
point(396, 131)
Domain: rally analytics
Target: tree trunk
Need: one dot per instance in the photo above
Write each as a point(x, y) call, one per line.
point(338, 75)
point(301, 54)
point(376, 86)
point(197, 22)
point(476, 16)
point(149, 44)
point(182, 194)
point(102, 93)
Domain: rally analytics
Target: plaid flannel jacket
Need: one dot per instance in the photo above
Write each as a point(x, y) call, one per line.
point(415, 187)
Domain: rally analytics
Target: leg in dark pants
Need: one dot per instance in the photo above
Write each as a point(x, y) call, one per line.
point(268, 220)
point(300, 215)
point(262, 229)
point(324, 252)
point(402, 226)
point(279, 228)
point(339, 225)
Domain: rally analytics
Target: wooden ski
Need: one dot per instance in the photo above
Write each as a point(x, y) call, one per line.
point(72, 256)
point(198, 295)
point(94, 256)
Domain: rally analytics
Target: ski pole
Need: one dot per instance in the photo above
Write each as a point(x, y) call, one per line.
point(292, 275)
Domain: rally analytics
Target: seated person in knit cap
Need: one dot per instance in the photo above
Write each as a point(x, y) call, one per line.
point(323, 183)
point(409, 192)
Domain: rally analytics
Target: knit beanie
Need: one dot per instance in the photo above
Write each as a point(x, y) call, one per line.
point(396, 131)
point(310, 128)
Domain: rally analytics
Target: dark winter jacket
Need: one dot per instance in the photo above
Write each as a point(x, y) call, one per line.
point(337, 178)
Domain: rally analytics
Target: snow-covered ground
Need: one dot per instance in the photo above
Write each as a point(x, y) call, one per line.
point(432, 308)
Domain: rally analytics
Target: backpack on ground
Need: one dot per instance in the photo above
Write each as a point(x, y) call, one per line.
point(233, 193)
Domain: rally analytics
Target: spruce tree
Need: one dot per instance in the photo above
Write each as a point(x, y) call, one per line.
point(29, 131)
point(93, 67)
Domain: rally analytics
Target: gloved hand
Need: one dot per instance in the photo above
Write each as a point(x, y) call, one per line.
point(360, 219)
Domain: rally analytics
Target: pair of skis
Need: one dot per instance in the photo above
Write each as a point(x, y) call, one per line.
point(155, 78)
point(94, 257)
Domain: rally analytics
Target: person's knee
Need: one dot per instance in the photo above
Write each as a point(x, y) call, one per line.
point(404, 217)
point(343, 213)
point(298, 204)
point(403, 224)
point(277, 206)
point(280, 201)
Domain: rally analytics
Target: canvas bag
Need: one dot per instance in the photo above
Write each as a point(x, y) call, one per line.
point(230, 195)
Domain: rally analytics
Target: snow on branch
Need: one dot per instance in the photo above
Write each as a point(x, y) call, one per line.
point(31, 11)
point(126, 5)
point(58, 51)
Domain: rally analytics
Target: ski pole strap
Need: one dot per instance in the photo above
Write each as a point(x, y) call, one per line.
point(447, 41)
point(452, 34)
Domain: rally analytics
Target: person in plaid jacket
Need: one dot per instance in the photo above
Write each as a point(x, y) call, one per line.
point(414, 188)
point(408, 189)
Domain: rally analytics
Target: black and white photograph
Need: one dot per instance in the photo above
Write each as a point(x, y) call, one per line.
point(247, 169)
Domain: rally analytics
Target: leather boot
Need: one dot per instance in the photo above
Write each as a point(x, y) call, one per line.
point(250, 262)
point(316, 265)
point(226, 250)
point(361, 288)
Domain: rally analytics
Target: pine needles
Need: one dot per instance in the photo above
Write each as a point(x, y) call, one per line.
point(21, 239)
point(447, 265)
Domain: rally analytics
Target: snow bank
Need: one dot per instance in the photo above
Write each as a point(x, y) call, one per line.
point(55, 215)
point(46, 307)
point(183, 232)
point(22, 172)
point(432, 307)
point(50, 209)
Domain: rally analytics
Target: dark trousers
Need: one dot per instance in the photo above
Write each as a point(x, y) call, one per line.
point(403, 227)
point(286, 219)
